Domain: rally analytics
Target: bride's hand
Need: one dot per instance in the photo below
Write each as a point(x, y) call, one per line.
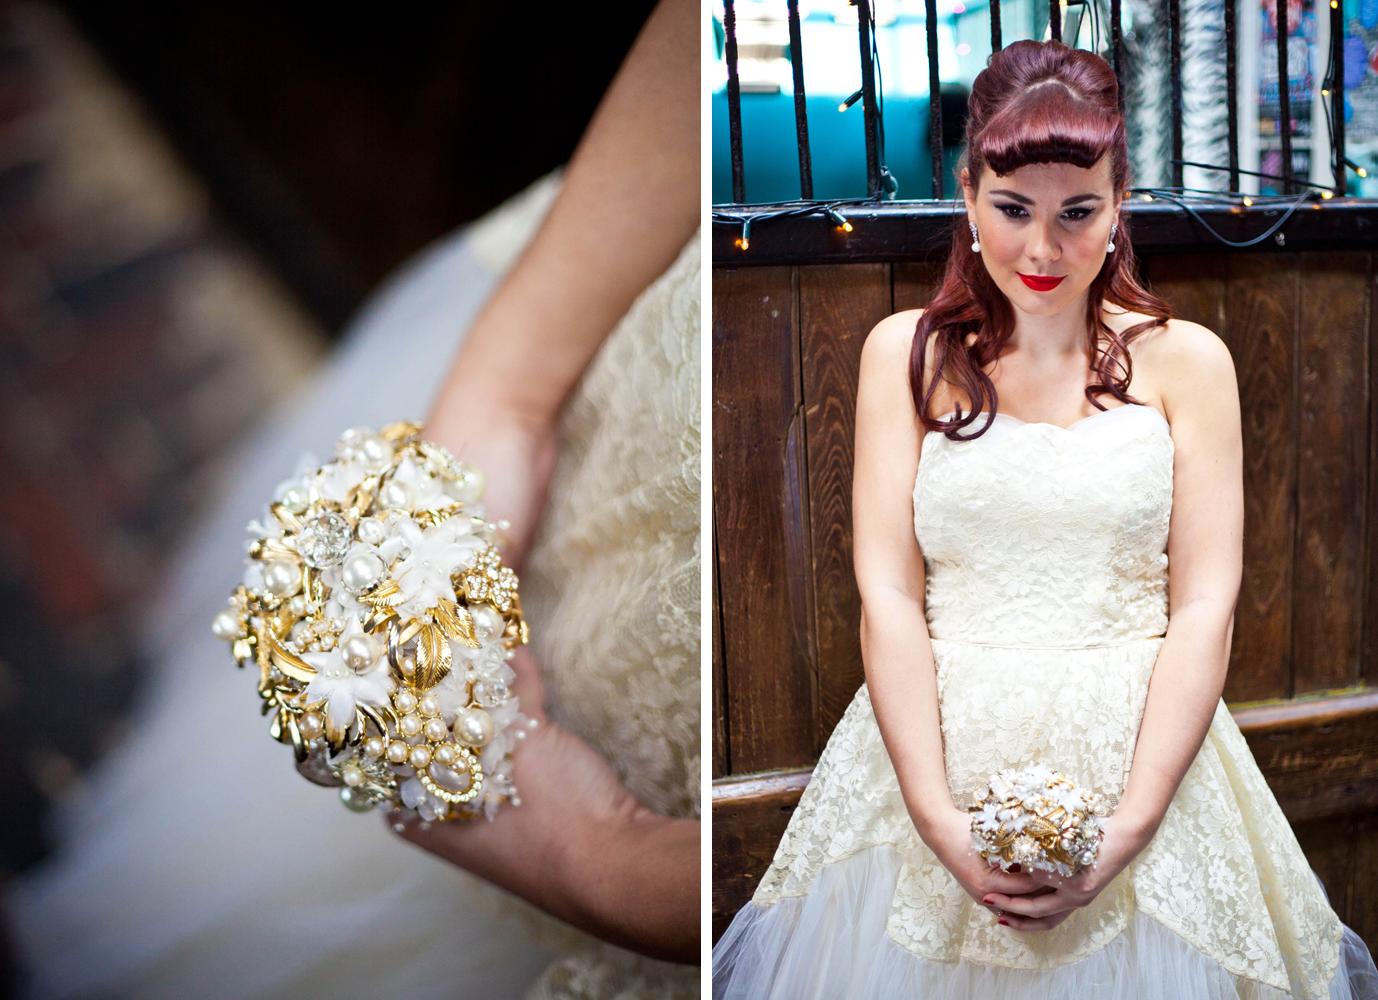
point(1059, 897)
point(516, 455)
point(949, 837)
point(575, 847)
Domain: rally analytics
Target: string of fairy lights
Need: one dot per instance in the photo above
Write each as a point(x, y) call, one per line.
point(1190, 200)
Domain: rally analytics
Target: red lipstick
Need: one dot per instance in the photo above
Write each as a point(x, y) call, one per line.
point(1040, 283)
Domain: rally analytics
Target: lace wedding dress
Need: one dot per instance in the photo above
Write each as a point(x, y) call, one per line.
point(201, 864)
point(1046, 600)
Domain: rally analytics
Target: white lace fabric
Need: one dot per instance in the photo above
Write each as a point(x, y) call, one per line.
point(613, 579)
point(1045, 551)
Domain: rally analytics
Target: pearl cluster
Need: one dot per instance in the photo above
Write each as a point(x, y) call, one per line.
point(325, 616)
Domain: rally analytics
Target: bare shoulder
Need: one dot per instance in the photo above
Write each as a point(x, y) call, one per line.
point(1192, 369)
point(894, 335)
point(1175, 360)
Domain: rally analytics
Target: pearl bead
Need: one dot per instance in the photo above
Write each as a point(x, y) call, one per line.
point(397, 751)
point(352, 775)
point(407, 665)
point(445, 754)
point(310, 725)
point(410, 725)
point(294, 499)
point(281, 578)
point(436, 730)
point(373, 746)
point(298, 605)
point(371, 531)
point(395, 494)
point(355, 800)
point(362, 571)
point(360, 653)
point(428, 706)
point(405, 702)
point(488, 622)
point(226, 625)
point(473, 727)
point(419, 757)
point(450, 779)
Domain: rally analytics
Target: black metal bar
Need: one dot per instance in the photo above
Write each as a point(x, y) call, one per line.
point(1337, 93)
point(995, 45)
point(1117, 48)
point(935, 97)
point(734, 101)
point(868, 98)
point(1284, 98)
point(1232, 93)
point(1055, 20)
point(801, 117)
point(1174, 22)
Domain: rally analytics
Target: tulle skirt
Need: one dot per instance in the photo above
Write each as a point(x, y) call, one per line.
point(832, 943)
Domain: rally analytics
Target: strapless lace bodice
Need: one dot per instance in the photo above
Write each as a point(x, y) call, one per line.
point(1035, 534)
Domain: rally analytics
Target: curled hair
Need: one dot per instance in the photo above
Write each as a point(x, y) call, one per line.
point(1035, 102)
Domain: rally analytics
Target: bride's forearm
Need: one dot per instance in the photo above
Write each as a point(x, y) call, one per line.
point(628, 202)
point(1188, 679)
point(902, 681)
point(637, 882)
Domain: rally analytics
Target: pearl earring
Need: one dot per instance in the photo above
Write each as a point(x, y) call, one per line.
point(975, 241)
point(1110, 247)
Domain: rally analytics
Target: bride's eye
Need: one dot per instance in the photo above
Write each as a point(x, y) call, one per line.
point(1071, 215)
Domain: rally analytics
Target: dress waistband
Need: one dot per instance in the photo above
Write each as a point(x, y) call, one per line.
point(1026, 645)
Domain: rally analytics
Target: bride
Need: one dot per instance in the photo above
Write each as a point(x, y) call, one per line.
point(202, 865)
point(1019, 510)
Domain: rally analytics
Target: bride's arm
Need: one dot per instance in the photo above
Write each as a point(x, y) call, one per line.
point(628, 203)
point(1205, 565)
point(895, 645)
point(580, 846)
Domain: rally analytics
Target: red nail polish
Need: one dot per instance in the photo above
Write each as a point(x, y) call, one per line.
point(1002, 920)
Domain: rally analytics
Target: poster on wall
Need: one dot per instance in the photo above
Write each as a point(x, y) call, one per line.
point(1302, 50)
point(1361, 92)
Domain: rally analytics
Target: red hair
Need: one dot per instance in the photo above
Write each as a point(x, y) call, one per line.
point(1035, 102)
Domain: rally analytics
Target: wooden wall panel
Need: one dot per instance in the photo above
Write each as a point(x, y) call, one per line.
point(720, 758)
point(838, 306)
point(759, 507)
point(1194, 285)
point(916, 282)
point(749, 817)
point(1261, 301)
point(1362, 912)
point(1332, 470)
point(1369, 603)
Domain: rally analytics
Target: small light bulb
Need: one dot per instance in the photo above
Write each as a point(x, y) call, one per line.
point(1248, 201)
point(846, 227)
point(1362, 172)
point(1327, 195)
point(745, 244)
